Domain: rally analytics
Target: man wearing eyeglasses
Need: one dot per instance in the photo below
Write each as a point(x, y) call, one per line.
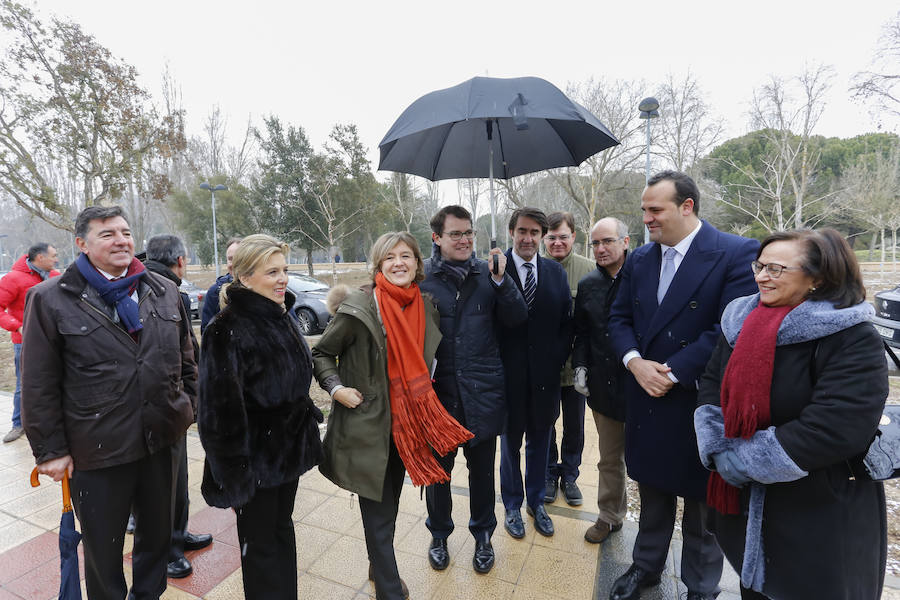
point(663, 325)
point(468, 377)
point(563, 464)
point(600, 375)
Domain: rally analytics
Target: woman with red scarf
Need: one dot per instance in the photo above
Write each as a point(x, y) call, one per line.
point(792, 394)
point(375, 359)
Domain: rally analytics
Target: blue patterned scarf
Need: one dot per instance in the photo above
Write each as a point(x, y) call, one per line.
point(116, 293)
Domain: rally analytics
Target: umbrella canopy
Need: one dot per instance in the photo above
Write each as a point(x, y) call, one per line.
point(490, 127)
point(70, 579)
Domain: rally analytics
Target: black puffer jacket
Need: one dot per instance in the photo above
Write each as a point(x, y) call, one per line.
point(592, 349)
point(469, 376)
point(257, 422)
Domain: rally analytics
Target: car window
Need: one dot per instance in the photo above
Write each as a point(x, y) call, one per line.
point(296, 284)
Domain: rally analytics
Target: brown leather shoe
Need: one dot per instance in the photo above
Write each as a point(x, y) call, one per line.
point(599, 531)
point(403, 587)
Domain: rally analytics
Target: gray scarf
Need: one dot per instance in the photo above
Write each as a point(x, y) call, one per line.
point(40, 272)
point(810, 320)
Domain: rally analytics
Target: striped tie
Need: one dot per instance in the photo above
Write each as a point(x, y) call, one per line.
point(530, 285)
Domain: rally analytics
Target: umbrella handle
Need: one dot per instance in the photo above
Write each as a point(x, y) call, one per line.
point(67, 496)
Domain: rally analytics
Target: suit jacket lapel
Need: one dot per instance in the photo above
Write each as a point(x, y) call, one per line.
point(701, 257)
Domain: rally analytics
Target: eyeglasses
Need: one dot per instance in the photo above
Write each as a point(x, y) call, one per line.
point(606, 241)
point(457, 235)
point(773, 269)
point(563, 238)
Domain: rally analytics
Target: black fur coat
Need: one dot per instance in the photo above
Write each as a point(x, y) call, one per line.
point(257, 422)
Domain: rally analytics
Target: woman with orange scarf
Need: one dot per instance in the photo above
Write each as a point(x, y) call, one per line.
point(375, 359)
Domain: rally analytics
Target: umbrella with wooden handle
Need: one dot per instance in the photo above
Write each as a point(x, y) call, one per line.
point(69, 583)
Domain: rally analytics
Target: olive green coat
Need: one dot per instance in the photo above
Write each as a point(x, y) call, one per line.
point(354, 347)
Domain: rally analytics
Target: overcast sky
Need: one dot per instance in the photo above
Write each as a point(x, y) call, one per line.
point(319, 63)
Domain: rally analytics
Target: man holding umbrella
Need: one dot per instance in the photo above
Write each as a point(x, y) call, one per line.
point(469, 374)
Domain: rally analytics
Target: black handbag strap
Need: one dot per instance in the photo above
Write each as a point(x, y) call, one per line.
point(890, 352)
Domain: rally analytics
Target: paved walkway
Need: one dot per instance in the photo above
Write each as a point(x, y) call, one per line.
point(330, 545)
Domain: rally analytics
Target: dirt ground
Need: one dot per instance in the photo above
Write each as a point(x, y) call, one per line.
point(354, 274)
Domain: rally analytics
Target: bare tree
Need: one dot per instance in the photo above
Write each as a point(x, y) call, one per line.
point(686, 130)
point(214, 128)
point(778, 193)
point(240, 160)
point(326, 227)
point(591, 185)
point(871, 193)
point(400, 194)
point(880, 85)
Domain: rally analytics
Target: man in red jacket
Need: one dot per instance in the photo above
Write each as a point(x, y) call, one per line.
point(29, 270)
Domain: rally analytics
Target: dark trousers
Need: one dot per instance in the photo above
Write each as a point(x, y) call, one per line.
point(268, 545)
point(17, 395)
point(438, 500)
point(536, 449)
point(564, 465)
point(701, 558)
point(379, 522)
point(102, 499)
point(179, 500)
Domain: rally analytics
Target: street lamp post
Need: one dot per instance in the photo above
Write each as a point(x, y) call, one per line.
point(648, 108)
point(213, 190)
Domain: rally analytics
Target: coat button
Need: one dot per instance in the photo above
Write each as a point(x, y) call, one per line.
point(693, 304)
point(683, 343)
point(83, 328)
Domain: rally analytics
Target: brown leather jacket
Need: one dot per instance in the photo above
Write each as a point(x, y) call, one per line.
point(88, 389)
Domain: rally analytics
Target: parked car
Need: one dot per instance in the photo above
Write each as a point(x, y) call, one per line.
point(196, 295)
point(309, 306)
point(887, 316)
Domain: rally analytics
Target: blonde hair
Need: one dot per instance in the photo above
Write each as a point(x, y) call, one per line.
point(386, 243)
point(253, 252)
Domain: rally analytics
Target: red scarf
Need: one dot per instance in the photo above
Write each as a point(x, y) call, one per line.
point(419, 422)
point(745, 393)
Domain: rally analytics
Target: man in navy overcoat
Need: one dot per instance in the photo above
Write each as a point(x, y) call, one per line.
point(532, 354)
point(664, 324)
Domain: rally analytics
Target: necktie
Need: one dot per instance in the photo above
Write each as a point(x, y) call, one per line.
point(666, 275)
point(530, 286)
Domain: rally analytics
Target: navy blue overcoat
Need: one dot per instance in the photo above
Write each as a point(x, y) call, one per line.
point(660, 443)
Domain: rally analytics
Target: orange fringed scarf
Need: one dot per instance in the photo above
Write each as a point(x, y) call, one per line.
point(419, 422)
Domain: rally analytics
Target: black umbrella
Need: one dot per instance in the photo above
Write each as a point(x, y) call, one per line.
point(490, 127)
point(70, 579)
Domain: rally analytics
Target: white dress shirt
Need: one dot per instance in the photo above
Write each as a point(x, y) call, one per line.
point(681, 249)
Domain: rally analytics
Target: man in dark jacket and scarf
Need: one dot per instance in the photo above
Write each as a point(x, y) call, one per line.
point(468, 378)
point(166, 256)
point(211, 306)
point(108, 373)
point(599, 374)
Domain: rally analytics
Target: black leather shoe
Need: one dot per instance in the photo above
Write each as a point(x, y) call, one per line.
point(513, 523)
point(483, 561)
point(196, 541)
point(179, 568)
point(550, 490)
point(542, 522)
point(403, 587)
point(700, 596)
point(629, 585)
point(438, 556)
point(572, 493)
